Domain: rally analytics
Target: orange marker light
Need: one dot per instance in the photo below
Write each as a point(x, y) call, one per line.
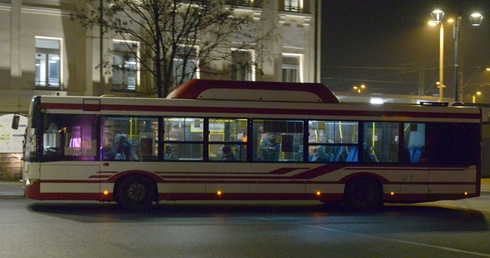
point(219, 192)
point(318, 193)
point(106, 192)
point(392, 193)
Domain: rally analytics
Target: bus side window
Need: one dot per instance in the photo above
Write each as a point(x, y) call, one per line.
point(333, 141)
point(381, 141)
point(69, 137)
point(227, 139)
point(278, 140)
point(185, 135)
point(128, 138)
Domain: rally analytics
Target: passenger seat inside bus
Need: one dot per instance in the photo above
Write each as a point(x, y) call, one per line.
point(415, 153)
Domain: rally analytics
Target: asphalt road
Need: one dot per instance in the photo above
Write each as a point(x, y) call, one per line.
point(36, 229)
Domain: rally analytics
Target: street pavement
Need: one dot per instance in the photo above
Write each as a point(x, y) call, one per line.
point(14, 189)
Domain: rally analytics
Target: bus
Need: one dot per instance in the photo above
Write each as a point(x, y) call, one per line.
point(230, 140)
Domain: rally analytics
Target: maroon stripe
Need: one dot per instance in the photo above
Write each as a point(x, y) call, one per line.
point(306, 112)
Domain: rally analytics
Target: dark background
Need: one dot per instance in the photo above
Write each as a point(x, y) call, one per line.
point(389, 46)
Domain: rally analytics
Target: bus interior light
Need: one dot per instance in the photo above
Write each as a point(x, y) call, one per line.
point(433, 104)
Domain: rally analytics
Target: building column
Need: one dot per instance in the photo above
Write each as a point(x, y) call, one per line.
point(15, 33)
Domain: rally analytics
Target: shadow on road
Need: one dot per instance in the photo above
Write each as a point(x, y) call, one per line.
point(407, 218)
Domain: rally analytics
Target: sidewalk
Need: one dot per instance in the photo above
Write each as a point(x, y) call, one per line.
point(14, 189)
point(11, 189)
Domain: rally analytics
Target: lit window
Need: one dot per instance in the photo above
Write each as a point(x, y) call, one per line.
point(185, 64)
point(293, 5)
point(242, 2)
point(241, 65)
point(125, 65)
point(291, 68)
point(48, 63)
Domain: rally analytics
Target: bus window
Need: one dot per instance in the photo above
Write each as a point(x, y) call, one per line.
point(185, 136)
point(445, 144)
point(128, 138)
point(380, 142)
point(414, 135)
point(278, 140)
point(332, 141)
point(69, 137)
point(227, 139)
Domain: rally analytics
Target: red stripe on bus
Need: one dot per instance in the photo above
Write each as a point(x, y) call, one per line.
point(217, 110)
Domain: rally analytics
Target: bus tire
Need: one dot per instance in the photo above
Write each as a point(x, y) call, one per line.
point(135, 192)
point(363, 193)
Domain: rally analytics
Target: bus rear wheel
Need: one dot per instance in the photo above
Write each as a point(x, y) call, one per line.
point(364, 193)
point(136, 192)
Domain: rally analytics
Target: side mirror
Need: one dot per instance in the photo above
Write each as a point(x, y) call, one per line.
point(15, 122)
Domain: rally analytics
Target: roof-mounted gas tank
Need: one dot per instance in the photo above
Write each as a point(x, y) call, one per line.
point(256, 91)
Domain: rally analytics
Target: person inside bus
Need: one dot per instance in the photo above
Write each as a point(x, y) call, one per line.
point(226, 154)
point(168, 153)
point(320, 155)
point(369, 156)
point(106, 153)
point(122, 149)
point(269, 148)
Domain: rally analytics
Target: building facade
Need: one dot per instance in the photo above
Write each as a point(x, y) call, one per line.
point(47, 52)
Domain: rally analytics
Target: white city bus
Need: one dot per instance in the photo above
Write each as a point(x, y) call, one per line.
point(227, 140)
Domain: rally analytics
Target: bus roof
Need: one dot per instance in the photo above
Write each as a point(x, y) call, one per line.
point(258, 91)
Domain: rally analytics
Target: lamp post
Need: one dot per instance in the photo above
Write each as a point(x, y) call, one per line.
point(476, 20)
point(438, 17)
point(478, 93)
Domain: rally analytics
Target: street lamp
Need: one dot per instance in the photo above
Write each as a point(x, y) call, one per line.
point(437, 19)
point(476, 20)
point(360, 88)
point(478, 93)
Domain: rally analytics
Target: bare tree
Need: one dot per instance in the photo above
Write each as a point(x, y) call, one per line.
point(177, 37)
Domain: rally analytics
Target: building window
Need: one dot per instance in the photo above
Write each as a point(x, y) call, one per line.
point(293, 5)
point(241, 2)
point(48, 63)
point(242, 65)
point(125, 65)
point(185, 64)
point(291, 68)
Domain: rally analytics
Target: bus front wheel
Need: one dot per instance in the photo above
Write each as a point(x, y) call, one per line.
point(364, 193)
point(135, 192)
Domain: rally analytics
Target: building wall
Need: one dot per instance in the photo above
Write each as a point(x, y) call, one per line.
point(21, 21)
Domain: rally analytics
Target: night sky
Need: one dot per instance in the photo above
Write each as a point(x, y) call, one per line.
point(389, 46)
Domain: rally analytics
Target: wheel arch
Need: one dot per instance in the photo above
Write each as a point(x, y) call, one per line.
point(349, 178)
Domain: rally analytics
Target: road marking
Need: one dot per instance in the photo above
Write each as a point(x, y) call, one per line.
point(401, 241)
